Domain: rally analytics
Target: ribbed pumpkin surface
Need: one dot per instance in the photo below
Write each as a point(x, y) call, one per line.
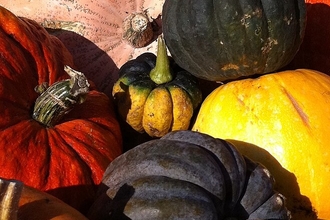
point(69, 159)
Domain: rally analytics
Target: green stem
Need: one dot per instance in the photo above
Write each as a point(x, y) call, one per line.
point(161, 73)
point(60, 98)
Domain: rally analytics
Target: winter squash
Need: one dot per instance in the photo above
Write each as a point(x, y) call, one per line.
point(19, 201)
point(187, 175)
point(155, 96)
point(287, 114)
point(314, 52)
point(66, 157)
point(224, 40)
point(101, 35)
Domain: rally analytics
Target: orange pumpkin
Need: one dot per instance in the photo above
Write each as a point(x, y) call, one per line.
point(68, 159)
point(35, 204)
point(287, 114)
point(18, 201)
point(96, 31)
point(314, 52)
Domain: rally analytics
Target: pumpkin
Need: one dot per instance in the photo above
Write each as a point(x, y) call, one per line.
point(287, 114)
point(19, 201)
point(187, 175)
point(154, 96)
point(67, 159)
point(225, 40)
point(101, 35)
point(314, 52)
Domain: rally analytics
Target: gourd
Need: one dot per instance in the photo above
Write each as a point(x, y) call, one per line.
point(187, 175)
point(154, 96)
point(225, 40)
point(19, 201)
point(285, 115)
point(101, 35)
point(314, 52)
point(65, 157)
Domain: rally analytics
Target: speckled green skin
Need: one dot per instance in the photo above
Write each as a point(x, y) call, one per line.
point(224, 39)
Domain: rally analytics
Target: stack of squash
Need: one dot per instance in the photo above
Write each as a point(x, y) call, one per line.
point(285, 113)
point(263, 116)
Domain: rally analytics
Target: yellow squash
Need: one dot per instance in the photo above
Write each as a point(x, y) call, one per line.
point(283, 121)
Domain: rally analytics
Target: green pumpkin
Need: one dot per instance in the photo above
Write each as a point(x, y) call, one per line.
point(187, 175)
point(224, 39)
point(154, 95)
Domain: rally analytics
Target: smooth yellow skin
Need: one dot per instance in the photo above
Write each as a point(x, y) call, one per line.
point(182, 108)
point(288, 115)
point(157, 114)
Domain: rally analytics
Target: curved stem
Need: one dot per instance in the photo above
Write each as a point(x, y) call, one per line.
point(161, 73)
point(60, 98)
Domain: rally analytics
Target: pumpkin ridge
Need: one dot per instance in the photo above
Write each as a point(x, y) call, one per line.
point(151, 158)
point(83, 154)
point(226, 157)
point(304, 117)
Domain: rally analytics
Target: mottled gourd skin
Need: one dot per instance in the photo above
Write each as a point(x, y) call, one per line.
point(154, 95)
point(222, 40)
point(187, 175)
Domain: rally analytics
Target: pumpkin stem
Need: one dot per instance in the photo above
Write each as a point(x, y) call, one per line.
point(161, 73)
point(10, 194)
point(138, 30)
point(60, 98)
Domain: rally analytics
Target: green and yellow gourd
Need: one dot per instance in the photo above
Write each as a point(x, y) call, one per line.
point(154, 95)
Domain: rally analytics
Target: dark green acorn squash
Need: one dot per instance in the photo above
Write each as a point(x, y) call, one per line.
point(224, 39)
point(187, 175)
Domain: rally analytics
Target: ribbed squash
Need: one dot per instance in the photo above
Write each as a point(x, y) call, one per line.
point(154, 95)
point(224, 39)
point(287, 114)
point(187, 175)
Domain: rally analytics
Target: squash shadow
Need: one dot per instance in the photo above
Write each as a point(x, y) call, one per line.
point(89, 59)
point(314, 52)
point(285, 181)
point(79, 197)
point(105, 208)
point(92, 201)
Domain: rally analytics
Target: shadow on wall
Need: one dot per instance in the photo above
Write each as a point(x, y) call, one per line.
point(89, 59)
point(286, 182)
point(314, 52)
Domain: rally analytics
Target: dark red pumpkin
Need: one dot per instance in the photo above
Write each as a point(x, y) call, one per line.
point(68, 159)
